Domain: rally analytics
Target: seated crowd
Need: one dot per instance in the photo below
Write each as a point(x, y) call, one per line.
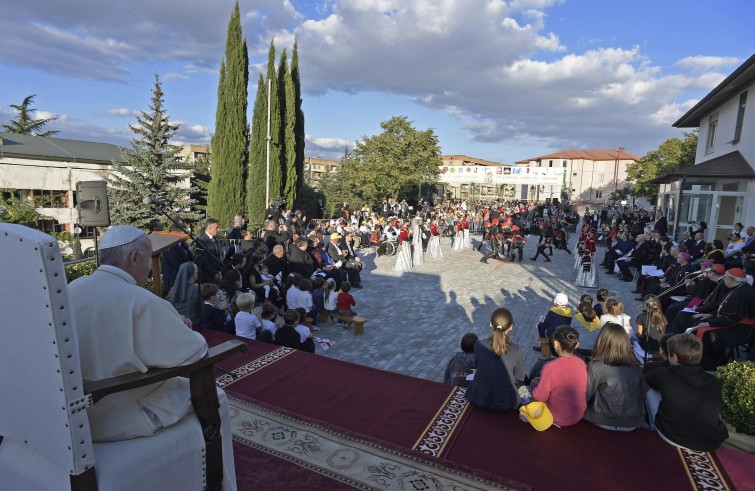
point(620, 373)
point(264, 288)
point(611, 387)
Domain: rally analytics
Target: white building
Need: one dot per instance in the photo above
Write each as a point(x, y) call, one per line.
point(45, 171)
point(720, 188)
point(591, 175)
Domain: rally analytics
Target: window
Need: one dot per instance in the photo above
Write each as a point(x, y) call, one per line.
point(598, 194)
point(565, 163)
point(600, 177)
point(712, 126)
point(44, 198)
point(740, 116)
point(550, 163)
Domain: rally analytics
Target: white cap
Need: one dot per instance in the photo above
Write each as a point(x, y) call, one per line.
point(561, 300)
point(119, 235)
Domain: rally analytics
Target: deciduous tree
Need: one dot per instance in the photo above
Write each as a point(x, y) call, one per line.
point(399, 157)
point(671, 155)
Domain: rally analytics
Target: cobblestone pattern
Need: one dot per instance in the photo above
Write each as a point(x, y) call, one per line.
point(417, 319)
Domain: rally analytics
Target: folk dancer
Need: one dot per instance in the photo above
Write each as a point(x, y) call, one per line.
point(458, 243)
point(404, 254)
point(433, 247)
point(418, 254)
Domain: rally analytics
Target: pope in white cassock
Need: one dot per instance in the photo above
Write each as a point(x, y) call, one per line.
point(123, 328)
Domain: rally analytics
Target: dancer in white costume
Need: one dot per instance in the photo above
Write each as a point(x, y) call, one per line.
point(418, 256)
point(433, 247)
point(467, 236)
point(458, 244)
point(404, 254)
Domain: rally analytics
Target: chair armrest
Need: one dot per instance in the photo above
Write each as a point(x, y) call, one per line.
point(102, 388)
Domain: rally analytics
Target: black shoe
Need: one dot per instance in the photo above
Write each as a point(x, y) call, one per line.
point(483, 260)
point(626, 279)
point(520, 259)
point(636, 291)
point(533, 259)
point(568, 251)
point(547, 260)
point(536, 348)
point(357, 285)
point(602, 264)
point(639, 299)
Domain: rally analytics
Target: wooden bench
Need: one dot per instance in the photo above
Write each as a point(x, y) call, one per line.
point(356, 321)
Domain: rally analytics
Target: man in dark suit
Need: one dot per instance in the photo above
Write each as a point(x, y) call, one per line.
point(661, 224)
point(173, 258)
point(698, 248)
point(638, 257)
point(299, 260)
point(208, 253)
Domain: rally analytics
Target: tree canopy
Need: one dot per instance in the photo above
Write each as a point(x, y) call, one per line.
point(671, 155)
point(386, 164)
point(150, 170)
point(24, 124)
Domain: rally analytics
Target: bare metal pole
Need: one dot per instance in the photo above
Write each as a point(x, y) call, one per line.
point(268, 139)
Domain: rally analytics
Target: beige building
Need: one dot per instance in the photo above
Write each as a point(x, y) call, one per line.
point(190, 153)
point(590, 178)
point(469, 190)
point(315, 168)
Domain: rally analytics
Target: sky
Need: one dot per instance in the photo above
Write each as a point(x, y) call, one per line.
point(497, 80)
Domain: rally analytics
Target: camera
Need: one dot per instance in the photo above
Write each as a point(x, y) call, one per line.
point(279, 202)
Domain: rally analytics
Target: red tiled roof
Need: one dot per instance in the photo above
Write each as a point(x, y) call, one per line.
point(601, 154)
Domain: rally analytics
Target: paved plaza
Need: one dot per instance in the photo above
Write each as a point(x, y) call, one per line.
point(417, 319)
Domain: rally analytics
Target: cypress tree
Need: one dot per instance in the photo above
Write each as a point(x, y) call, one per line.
point(230, 143)
point(255, 183)
point(288, 107)
point(299, 123)
point(150, 170)
point(276, 128)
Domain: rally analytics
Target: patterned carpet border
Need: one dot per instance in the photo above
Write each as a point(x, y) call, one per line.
point(446, 421)
point(253, 366)
point(702, 470)
point(356, 462)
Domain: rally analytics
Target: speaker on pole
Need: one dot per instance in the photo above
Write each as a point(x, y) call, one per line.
point(92, 204)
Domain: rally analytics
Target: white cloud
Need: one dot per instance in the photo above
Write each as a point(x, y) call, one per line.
point(330, 143)
point(121, 111)
point(174, 76)
point(703, 63)
point(60, 118)
point(193, 133)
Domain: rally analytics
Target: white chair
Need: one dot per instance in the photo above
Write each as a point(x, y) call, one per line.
point(45, 440)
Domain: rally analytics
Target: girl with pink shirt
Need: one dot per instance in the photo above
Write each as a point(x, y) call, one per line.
point(563, 382)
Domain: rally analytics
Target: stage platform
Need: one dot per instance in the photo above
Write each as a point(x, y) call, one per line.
point(303, 421)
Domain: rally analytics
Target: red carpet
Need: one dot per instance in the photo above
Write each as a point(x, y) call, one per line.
point(432, 418)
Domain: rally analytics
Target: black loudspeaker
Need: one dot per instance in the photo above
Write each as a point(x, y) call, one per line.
point(92, 204)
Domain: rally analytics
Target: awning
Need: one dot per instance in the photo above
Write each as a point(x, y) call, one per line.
point(730, 165)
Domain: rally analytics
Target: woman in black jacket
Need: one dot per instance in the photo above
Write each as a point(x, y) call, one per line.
point(615, 384)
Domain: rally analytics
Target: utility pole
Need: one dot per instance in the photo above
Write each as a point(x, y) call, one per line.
point(268, 139)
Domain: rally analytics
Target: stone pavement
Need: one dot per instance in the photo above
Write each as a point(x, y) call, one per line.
point(417, 319)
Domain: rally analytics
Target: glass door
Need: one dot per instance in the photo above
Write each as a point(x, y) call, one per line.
point(729, 210)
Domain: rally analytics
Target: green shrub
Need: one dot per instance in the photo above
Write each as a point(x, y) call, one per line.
point(83, 268)
point(738, 391)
